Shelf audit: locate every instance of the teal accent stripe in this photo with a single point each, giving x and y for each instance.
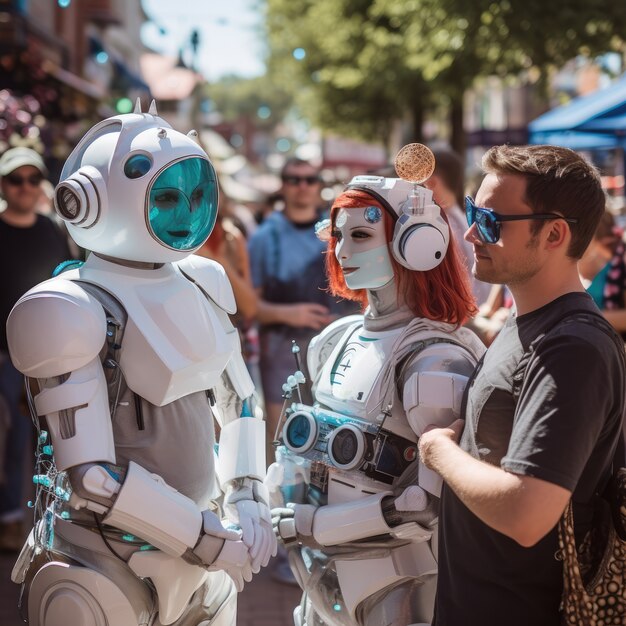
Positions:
(368, 338)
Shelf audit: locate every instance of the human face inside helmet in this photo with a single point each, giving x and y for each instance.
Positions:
(362, 249)
(182, 204)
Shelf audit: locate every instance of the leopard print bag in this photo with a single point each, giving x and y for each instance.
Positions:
(594, 576)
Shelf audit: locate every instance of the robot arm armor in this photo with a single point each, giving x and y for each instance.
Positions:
(434, 383)
(211, 278)
(55, 328)
(149, 508)
(143, 504)
(76, 408)
(350, 521)
(433, 386)
(242, 450)
(235, 387)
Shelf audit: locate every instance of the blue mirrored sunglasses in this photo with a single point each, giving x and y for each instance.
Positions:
(488, 221)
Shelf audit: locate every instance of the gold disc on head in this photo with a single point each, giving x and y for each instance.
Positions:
(415, 163)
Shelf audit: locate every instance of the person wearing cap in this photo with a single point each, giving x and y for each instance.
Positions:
(31, 246)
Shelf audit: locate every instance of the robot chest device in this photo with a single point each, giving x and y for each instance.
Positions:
(335, 442)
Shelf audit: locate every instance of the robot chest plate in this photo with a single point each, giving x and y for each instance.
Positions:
(175, 342)
(350, 379)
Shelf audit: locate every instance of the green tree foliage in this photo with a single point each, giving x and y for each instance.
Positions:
(371, 62)
(257, 98)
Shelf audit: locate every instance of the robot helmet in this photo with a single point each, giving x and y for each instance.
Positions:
(421, 235)
(135, 189)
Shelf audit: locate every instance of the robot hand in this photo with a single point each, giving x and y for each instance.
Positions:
(246, 504)
(223, 549)
(293, 521)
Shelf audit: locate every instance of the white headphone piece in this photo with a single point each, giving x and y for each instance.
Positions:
(79, 199)
(421, 235)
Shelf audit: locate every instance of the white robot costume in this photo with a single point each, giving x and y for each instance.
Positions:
(359, 514)
(128, 359)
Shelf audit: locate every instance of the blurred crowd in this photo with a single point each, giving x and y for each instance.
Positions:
(276, 266)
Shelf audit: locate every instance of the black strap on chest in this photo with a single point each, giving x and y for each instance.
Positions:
(117, 318)
(578, 315)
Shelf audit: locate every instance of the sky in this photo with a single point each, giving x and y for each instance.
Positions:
(229, 43)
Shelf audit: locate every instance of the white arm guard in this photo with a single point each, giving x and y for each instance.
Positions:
(433, 398)
(78, 416)
(432, 395)
(149, 508)
(350, 521)
(242, 450)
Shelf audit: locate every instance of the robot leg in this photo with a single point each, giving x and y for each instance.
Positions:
(62, 594)
(213, 604)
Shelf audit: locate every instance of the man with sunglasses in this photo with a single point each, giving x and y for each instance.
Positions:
(543, 413)
(31, 246)
(287, 265)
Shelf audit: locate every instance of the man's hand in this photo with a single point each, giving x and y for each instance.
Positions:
(433, 439)
(222, 549)
(247, 506)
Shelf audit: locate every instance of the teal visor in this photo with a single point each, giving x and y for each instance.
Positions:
(183, 204)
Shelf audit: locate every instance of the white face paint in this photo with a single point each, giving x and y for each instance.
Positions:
(362, 249)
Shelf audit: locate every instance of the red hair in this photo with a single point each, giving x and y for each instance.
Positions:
(442, 294)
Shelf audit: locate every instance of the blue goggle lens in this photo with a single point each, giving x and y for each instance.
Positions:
(485, 221)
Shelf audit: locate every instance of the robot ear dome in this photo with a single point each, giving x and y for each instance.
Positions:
(421, 247)
(78, 199)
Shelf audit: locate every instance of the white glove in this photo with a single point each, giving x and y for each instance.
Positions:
(222, 549)
(413, 498)
(293, 521)
(245, 505)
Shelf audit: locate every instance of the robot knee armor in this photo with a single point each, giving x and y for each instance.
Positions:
(62, 594)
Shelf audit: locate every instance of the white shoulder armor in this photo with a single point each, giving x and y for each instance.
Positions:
(322, 345)
(211, 278)
(433, 389)
(55, 328)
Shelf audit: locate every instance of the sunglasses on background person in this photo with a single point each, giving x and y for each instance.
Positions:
(296, 180)
(34, 180)
(488, 221)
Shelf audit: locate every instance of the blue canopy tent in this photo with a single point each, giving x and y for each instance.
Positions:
(597, 120)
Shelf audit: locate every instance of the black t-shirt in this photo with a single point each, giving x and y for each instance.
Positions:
(28, 256)
(563, 429)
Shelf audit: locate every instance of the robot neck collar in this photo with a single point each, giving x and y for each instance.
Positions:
(386, 309)
(140, 265)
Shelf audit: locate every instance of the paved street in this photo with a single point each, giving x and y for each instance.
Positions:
(262, 603)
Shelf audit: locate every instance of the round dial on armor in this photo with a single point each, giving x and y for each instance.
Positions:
(346, 447)
(300, 432)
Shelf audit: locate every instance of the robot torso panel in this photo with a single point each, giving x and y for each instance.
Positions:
(358, 443)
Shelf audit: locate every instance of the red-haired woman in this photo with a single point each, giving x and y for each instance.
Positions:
(362, 510)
